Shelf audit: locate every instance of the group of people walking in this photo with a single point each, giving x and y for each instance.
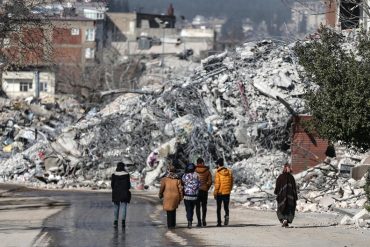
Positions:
(193, 187)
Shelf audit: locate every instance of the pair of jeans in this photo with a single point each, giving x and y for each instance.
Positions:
(189, 206)
(225, 199)
(117, 206)
(201, 202)
(171, 218)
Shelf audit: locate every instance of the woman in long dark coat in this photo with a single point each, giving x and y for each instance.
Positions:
(121, 195)
(286, 196)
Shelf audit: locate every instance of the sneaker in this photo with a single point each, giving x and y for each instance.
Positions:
(115, 223)
(204, 223)
(226, 220)
(199, 224)
(218, 224)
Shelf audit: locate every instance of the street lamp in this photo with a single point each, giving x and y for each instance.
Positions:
(163, 25)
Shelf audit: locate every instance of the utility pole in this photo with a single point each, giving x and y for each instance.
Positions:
(162, 24)
(37, 84)
(163, 36)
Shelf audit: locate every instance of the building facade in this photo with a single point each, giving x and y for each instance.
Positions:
(28, 83)
(136, 34)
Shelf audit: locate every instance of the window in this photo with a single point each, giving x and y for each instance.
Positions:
(43, 87)
(75, 31)
(349, 14)
(23, 86)
(90, 15)
(89, 53)
(30, 85)
(90, 34)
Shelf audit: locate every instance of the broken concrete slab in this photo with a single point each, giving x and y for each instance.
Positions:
(363, 214)
(66, 143)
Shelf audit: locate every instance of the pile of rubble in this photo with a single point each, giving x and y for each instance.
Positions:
(237, 105)
(24, 122)
(25, 126)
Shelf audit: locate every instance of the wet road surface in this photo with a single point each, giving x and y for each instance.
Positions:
(88, 221)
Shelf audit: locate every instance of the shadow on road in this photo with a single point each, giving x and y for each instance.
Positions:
(315, 226)
(229, 226)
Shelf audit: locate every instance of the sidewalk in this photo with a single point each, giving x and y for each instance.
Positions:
(21, 218)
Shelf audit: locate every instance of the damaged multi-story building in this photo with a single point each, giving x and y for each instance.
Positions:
(348, 14)
(152, 34)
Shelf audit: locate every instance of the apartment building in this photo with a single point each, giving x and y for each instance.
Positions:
(62, 47)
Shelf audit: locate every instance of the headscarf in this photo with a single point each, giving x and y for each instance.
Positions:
(171, 172)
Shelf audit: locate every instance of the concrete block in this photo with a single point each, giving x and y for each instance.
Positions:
(363, 214)
(326, 201)
(346, 220)
(359, 171)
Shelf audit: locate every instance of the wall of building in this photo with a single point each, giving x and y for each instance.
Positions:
(331, 13)
(70, 41)
(63, 40)
(11, 83)
(308, 150)
(124, 26)
(121, 27)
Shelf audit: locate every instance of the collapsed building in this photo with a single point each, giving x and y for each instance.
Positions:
(236, 105)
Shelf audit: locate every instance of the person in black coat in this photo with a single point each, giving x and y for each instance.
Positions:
(286, 196)
(121, 195)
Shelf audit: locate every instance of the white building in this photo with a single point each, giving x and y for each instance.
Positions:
(23, 83)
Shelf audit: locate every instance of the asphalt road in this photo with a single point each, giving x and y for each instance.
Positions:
(88, 221)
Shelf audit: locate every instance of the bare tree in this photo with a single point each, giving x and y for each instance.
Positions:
(112, 72)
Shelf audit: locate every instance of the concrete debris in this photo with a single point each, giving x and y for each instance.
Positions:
(236, 105)
(346, 220)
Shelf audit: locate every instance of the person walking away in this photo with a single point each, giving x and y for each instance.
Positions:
(152, 160)
(286, 196)
(223, 186)
(205, 178)
(121, 195)
(171, 193)
(191, 184)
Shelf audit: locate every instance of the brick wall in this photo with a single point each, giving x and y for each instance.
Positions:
(26, 47)
(308, 150)
(67, 55)
(64, 36)
(331, 13)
